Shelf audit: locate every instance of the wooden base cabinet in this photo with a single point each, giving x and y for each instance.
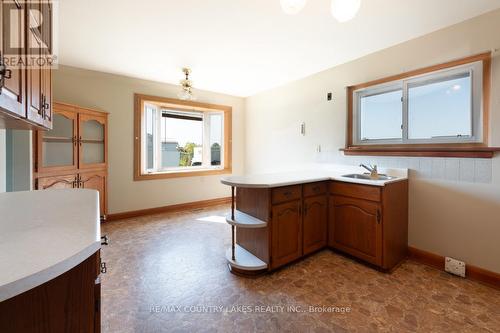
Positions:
(286, 233)
(367, 222)
(70, 302)
(315, 223)
(89, 180)
(370, 222)
(355, 228)
(74, 153)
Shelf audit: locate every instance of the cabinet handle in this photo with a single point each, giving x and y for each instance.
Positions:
(104, 269)
(5, 73)
(75, 140)
(80, 140)
(45, 106)
(305, 209)
(105, 240)
(378, 216)
(287, 193)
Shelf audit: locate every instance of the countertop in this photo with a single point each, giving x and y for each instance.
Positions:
(317, 174)
(44, 234)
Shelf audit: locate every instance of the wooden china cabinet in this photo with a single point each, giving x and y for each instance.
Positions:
(74, 153)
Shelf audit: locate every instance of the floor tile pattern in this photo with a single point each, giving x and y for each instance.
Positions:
(167, 273)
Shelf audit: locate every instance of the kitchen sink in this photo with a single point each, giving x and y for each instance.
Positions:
(367, 176)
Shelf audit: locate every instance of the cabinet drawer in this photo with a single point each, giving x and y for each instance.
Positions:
(359, 191)
(287, 193)
(314, 189)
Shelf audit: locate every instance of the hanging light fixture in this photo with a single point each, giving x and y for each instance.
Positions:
(292, 7)
(345, 10)
(187, 87)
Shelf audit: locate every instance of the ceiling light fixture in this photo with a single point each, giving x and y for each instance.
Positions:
(187, 87)
(345, 10)
(292, 7)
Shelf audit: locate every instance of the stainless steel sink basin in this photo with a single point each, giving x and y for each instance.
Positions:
(367, 176)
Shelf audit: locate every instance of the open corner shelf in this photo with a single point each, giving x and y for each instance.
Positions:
(243, 220)
(244, 260)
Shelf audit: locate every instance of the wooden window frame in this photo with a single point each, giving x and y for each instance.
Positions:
(179, 105)
(473, 150)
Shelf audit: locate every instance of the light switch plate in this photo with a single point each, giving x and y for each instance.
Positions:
(454, 266)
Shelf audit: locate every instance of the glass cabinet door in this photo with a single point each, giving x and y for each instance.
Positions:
(58, 146)
(92, 141)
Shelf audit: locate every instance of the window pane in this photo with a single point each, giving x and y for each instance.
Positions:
(381, 116)
(215, 139)
(440, 108)
(181, 139)
(150, 133)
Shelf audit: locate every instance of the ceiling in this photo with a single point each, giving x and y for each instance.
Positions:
(239, 47)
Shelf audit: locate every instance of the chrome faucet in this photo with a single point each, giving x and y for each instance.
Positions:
(372, 169)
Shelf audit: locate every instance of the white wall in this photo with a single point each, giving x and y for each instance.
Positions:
(19, 160)
(454, 203)
(3, 158)
(115, 94)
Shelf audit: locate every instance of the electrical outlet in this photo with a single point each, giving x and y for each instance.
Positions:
(454, 266)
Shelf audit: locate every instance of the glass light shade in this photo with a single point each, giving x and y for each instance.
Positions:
(292, 7)
(345, 10)
(186, 95)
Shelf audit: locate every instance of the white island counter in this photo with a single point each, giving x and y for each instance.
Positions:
(43, 234)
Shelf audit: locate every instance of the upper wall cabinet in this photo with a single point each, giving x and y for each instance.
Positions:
(25, 64)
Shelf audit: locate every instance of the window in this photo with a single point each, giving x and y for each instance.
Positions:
(438, 111)
(177, 138)
(442, 106)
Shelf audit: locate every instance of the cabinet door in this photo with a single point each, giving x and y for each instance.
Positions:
(315, 223)
(286, 233)
(46, 70)
(356, 228)
(96, 181)
(39, 87)
(12, 50)
(92, 141)
(57, 149)
(59, 182)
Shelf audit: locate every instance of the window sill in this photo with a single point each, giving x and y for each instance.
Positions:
(180, 174)
(458, 152)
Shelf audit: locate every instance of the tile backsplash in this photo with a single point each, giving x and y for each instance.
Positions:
(450, 169)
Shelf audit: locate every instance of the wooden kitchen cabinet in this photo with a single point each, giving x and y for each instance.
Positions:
(89, 180)
(74, 153)
(356, 228)
(92, 140)
(57, 182)
(96, 181)
(365, 221)
(286, 233)
(315, 223)
(370, 222)
(70, 302)
(25, 92)
(13, 93)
